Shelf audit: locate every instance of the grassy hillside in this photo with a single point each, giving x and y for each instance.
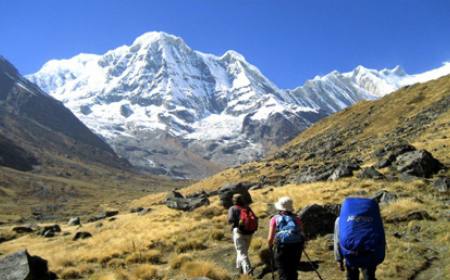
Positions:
(170, 244)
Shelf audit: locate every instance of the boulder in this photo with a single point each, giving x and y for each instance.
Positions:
(385, 162)
(22, 229)
(319, 220)
(415, 215)
(137, 209)
(384, 197)
(111, 213)
(394, 149)
(390, 152)
(22, 266)
(144, 211)
(418, 163)
(75, 221)
(341, 172)
(226, 193)
(314, 174)
(103, 215)
(442, 184)
(176, 200)
(371, 173)
(49, 231)
(82, 235)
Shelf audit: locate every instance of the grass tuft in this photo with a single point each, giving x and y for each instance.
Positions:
(205, 269)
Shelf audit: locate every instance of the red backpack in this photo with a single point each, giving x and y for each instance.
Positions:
(248, 222)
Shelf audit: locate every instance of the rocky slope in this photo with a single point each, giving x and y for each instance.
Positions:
(177, 111)
(49, 160)
(412, 191)
(30, 118)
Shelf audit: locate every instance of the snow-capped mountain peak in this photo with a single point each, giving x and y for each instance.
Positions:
(172, 109)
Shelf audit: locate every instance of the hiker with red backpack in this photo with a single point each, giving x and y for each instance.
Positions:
(244, 223)
(286, 235)
(359, 238)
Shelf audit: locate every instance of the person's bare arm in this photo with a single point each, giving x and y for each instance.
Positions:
(271, 235)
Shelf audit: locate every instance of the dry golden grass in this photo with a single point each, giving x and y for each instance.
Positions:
(176, 261)
(70, 273)
(115, 248)
(145, 272)
(205, 269)
(131, 246)
(151, 256)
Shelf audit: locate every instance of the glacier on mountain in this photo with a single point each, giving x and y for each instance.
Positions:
(184, 113)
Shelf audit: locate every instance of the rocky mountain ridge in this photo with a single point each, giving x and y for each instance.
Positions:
(184, 113)
(50, 161)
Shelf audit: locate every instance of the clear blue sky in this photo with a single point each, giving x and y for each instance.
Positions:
(289, 41)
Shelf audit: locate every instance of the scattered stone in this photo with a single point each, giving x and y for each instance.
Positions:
(48, 234)
(22, 266)
(384, 197)
(136, 210)
(144, 211)
(49, 231)
(226, 193)
(314, 174)
(103, 215)
(416, 229)
(406, 177)
(112, 219)
(371, 173)
(319, 219)
(98, 225)
(75, 221)
(22, 229)
(416, 215)
(394, 149)
(389, 153)
(341, 172)
(176, 200)
(82, 235)
(417, 163)
(442, 184)
(111, 213)
(398, 235)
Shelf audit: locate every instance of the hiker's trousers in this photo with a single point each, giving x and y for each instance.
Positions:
(367, 272)
(287, 259)
(242, 243)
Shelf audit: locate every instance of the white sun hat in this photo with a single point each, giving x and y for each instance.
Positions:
(284, 204)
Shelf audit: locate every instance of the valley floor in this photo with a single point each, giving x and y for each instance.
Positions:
(170, 244)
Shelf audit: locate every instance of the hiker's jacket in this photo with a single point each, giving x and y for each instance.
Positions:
(234, 214)
(337, 251)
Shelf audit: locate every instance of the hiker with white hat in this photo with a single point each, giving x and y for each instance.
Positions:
(286, 235)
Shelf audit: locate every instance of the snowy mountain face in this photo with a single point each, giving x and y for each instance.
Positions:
(177, 111)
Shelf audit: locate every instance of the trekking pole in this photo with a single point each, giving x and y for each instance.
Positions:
(312, 265)
(272, 263)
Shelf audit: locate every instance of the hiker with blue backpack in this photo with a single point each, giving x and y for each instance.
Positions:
(359, 238)
(286, 239)
(243, 223)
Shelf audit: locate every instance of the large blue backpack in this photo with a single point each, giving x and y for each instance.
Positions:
(361, 234)
(288, 231)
